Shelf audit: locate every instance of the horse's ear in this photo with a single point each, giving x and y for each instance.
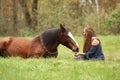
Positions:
(62, 28)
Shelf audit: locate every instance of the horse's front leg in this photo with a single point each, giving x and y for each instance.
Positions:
(55, 54)
(34, 55)
(51, 54)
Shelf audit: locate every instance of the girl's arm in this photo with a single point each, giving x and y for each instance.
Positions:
(93, 48)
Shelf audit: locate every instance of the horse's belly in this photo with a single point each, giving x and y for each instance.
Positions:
(18, 48)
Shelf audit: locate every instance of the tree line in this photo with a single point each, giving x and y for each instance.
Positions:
(19, 17)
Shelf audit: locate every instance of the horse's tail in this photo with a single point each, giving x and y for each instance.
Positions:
(4, 43)
(2, 53)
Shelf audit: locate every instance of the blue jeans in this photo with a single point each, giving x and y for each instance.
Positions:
(79, 58)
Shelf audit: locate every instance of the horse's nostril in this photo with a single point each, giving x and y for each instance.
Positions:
(76, 50)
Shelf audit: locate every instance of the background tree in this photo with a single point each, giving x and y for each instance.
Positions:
(14, 14)
(0, 7)
(30, 17)
(34, 13)
(26, 12)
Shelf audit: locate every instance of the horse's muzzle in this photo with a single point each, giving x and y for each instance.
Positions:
(76, 50)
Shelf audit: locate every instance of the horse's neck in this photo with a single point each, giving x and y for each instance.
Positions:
(52, 47)
(50, 37)
(48, 46)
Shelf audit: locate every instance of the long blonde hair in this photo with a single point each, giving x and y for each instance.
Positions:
(89, 33)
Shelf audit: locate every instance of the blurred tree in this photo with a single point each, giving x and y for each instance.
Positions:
(55, 2)
(26, 13)
(113, 21)
(34, 14)
(90, 3)
(31, 18)
(0, 7)
(108, 5)
(14, 15)
(6, 10)
(51, 13)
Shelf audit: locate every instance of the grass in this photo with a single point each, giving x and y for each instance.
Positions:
(64, 67)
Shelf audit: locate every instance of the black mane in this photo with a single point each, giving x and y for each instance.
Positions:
(50, 36)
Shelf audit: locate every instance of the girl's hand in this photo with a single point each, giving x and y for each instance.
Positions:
(82, 54)
(76, 54)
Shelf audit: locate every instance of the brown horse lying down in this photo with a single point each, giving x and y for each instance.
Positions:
(41, 46)
(22, 47)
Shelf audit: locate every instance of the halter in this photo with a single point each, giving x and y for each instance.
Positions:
(47, 51)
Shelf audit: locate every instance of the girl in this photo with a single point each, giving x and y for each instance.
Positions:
(92, 46)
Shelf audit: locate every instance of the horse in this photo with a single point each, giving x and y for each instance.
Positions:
(44, 45)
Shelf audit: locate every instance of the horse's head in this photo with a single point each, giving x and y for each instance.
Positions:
(66, 38)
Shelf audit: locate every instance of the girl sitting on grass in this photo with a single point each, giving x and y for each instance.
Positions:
(92, 49)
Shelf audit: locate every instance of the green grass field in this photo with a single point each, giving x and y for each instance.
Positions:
(64, 67)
